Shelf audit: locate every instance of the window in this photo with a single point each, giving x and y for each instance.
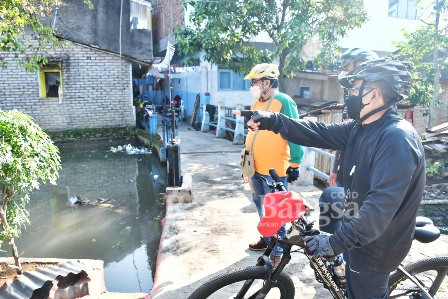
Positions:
(230, 80)
(403, 9)
(50, 81)
(224, 79)
(304, 92)
(140, 14)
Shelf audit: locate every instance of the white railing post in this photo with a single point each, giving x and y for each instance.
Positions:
(220, 132)
(238, 137)
(307, 177)
(205, 127)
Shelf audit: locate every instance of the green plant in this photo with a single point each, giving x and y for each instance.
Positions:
(93, 133)
(28, 157)
(18, 16)
(225, 31)
(432, 169)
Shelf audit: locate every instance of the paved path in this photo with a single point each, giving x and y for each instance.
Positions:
(210, 236)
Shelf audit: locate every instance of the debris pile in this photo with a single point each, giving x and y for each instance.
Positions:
(77, 200)
(130, 150)
(436, 140)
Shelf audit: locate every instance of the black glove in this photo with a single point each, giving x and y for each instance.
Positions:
(263, 117)
(293, 174)
(319, 245)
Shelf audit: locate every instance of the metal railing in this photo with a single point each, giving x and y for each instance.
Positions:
(316, 171)
(238, 128)
(226, 122)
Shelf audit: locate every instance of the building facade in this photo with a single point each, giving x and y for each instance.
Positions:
(87, 83)
(118, 26)
(85, 88)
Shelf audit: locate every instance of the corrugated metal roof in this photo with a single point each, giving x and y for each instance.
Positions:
(65, 280)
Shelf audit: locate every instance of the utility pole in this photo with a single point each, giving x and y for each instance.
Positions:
(53, 26)
(435, 96)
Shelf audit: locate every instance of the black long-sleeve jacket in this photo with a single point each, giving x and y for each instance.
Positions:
(384, 178)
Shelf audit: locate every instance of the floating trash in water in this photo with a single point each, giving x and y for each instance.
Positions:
(73, 200)
(76, 200)
(130, 150)
(156, 176)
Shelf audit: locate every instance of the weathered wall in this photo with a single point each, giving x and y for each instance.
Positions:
(100, 26)
(167, 15)
(441, 112)
(97, 91)
(322, 87)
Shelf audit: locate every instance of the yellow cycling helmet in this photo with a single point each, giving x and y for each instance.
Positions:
(263, 70)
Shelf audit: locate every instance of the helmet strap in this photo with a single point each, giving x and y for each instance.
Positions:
(386, 106)
(264, 92)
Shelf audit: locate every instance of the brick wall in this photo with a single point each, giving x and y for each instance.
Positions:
(167, 15)
(420, 117)
(97, 91)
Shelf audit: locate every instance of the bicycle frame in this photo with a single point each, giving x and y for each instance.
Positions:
(417, 283)
(302, 229)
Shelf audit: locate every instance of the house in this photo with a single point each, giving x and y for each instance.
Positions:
(87, 83)
(309, 88)
(386, 20)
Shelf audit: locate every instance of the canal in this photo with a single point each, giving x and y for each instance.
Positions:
(124, 232)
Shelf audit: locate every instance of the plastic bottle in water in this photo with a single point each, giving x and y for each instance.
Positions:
(339, 270)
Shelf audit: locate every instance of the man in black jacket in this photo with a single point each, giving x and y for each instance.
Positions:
(331, 201)
(384, 174)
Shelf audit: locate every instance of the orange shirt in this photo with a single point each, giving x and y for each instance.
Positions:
(270, 149)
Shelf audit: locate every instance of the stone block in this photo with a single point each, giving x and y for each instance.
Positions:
(182, 194)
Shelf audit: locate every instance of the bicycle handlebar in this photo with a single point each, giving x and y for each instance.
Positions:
(276, 180)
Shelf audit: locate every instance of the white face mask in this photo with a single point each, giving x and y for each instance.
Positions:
(255, 92)
(342, 74)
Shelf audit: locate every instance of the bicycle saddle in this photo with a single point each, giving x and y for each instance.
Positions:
(425, 231)
(280, 208)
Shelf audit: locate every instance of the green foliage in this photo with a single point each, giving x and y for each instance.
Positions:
(225, 29)
(432, 169)
(191, 61)
(418, 49)
(93, 134)
(18, 17)
(27, 158)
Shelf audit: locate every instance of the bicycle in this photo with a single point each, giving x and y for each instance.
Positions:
(421, 279)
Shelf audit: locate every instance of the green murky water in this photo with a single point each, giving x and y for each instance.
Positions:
(125, 236)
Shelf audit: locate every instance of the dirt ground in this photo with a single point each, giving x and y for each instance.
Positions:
(436, 192)
(210, 236)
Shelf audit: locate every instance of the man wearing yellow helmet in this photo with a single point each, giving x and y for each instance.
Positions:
(271, 150)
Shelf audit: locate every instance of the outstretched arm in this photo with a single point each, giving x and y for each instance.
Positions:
(303, 132)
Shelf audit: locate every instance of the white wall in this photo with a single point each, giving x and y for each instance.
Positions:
(207, 82)
(380, 30)
(230, 97)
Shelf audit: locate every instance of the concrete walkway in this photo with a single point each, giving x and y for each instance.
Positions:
(210, 236)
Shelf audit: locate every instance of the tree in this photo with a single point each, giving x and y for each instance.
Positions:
(426, 49)
(225, 29)
(20, 16)
(27, 158)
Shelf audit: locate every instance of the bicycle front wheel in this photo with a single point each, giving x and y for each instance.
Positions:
(431, 274)
(228, 285)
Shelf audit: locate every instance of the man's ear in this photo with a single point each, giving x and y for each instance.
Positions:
(372, 96)
(267, 84)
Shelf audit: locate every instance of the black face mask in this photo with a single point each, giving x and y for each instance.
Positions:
(354, 104)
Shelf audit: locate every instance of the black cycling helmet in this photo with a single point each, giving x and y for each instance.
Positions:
(394, 72)
(355, 54)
